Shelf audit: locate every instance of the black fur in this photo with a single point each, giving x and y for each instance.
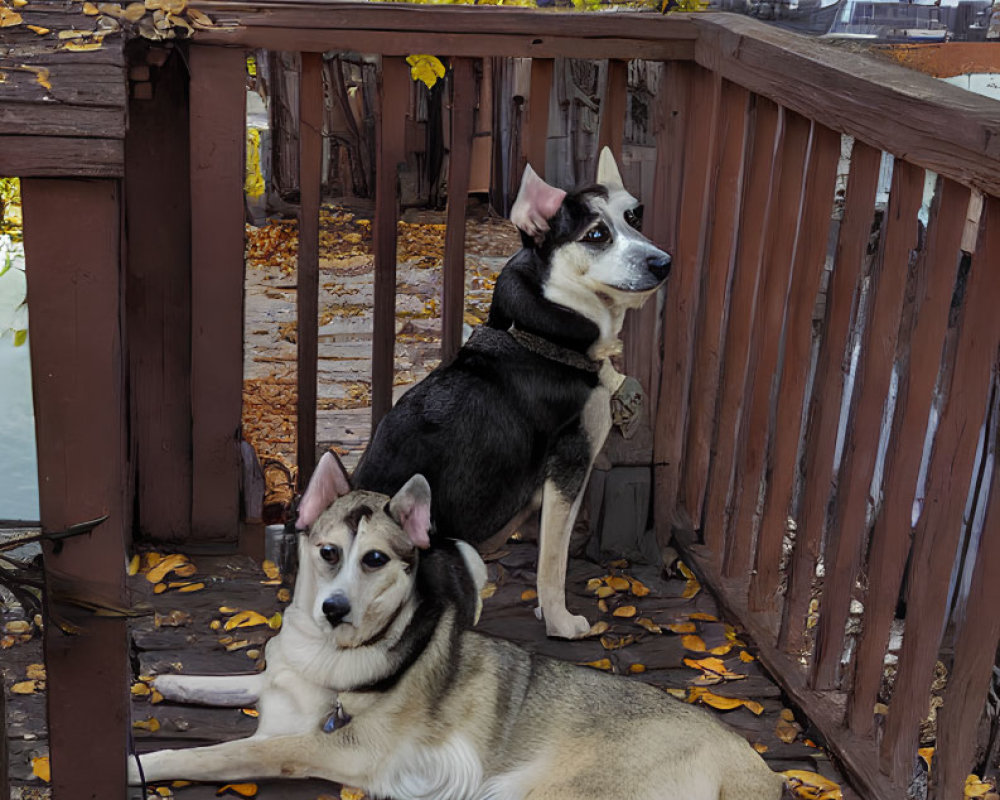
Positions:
(487, 429)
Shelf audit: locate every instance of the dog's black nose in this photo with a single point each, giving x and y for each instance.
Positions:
(335, 608)
(659, 266)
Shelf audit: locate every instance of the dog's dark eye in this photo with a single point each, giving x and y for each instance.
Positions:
(599, 234)
(374, 559)
(634, 217)
(330, 553)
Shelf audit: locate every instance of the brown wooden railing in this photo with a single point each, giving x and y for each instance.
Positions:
(744, 368)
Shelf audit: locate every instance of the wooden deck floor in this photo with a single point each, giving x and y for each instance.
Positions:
(180, 637)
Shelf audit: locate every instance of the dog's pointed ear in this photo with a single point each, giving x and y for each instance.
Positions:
(411, 508)
(536, 204)
(607, 170)
(327, 483)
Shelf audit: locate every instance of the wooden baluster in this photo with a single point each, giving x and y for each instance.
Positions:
(612, 130)
(310, 169)
(390, 129)
(536, 139)
(459, 166)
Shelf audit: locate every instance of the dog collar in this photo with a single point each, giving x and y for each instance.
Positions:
(338, 719)
(552, 351)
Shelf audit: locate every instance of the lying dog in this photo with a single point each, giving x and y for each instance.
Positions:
(517, 418)
(375, 681)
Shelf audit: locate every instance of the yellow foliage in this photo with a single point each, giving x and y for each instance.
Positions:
(40, 768)
(426, 68)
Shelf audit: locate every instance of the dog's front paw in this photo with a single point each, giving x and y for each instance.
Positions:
(567, 626)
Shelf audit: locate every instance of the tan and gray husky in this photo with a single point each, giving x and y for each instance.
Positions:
(376, 681)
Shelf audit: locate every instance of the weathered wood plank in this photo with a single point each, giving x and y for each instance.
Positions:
(847, 532)
(810, 257)
(158, 304)
(726, 193)
(218, 122)
(472, 45)
(52, 156)
(935, 125)
(73, 84)
(536, 138)
(765, 340)
(612, 131)
(824, 406)
(307, 294)
(941, 522)
(762, 175)
(59, 120)
(73, 242)
(393, 91)
(890, 538)
(680, 312)
(976, 641)
(459, 168)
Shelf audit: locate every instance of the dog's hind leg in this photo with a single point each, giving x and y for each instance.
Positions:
(211, 690)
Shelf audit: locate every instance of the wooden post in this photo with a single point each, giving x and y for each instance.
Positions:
(307, 338)
(72, 238)
(537, 137)
(218, 129)
(158, 303)
(459, 166)
(612, 131)
(393, 92)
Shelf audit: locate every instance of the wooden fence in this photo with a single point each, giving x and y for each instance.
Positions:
(147, 288)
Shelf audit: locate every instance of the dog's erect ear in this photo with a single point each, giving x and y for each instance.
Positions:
(607, 170)
(411, 508)
(327, 483)
(536, 204)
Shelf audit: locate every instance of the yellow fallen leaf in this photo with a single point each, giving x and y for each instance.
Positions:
(35, 672)
(250, 712)
(140, 689)
(701, 615)
(488, 590)
(927, 754)
(8, 18)
(682, 627)
(649, 625)
(133, 564)
(529, 594)
(618, 583)
(692, 642)
(760, 747)
(90, 9)
(192, 587)
(350, 793)
(20, 3)
(754, 706)
(237, 645)
(160, 588)
(680, 694)
(152, 724)
(594, 584)
(602, 605)
(804, 783)
(604, 591)
(155, 697)
(284, 595)
(253, 655)
(166, 565)
(721, 650)
(134, 12)
(601, 663)
(621, 563)
(598, 628)
(245, 619)
(699, 694)
(180, 784)
(241, 789)
(745, 657)
(635, 669)
(638, 588)
(227, 610)
(613, 642)
(17, 626)
(24, 687)
(685, 570)
(787, 730)
(215, 624)
(40, 768)
(274, 621)
(271, 570)
(41, 32)
(787, 714)
(714, 666)
(426, 68)
(974, 787)
(164, 791)
(185, 570)
(691, 588)
(625, 611)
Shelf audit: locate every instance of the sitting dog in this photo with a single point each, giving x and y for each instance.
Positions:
(375, 681)
(517, 418)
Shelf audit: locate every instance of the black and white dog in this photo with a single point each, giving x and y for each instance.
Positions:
(517, 418)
